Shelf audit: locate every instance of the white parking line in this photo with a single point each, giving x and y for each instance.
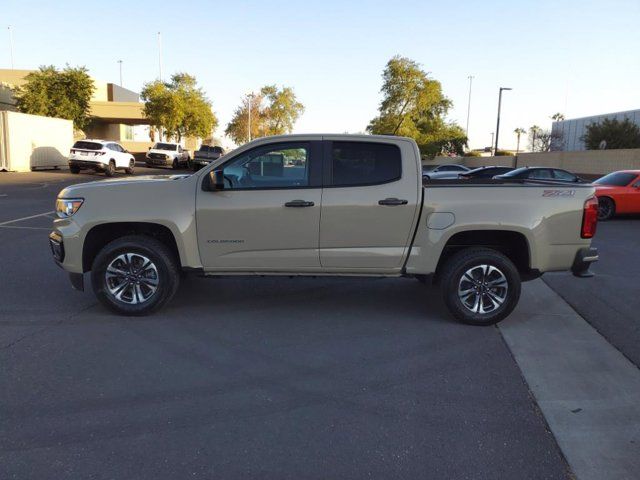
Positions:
(26, 218)
(24, 228)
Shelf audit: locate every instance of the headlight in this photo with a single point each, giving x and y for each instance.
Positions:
(65, 207)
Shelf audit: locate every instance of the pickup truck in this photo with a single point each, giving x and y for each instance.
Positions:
(164, 154)
(205, 155)
(347, 205)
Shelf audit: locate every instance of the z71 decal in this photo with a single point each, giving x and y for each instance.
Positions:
(558, 193)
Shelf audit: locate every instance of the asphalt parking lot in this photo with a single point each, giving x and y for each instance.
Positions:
(267, 378)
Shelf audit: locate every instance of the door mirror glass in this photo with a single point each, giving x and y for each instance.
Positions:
(216, 180)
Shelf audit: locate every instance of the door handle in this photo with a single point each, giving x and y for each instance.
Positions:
(392, 202)
(299, 203)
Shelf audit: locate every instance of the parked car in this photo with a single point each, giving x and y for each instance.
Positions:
(541, 173)
(618, 192)
(100, 156)
(442, 172)
(355, 206)
(484, 172)
(164, 154)
(205, 155)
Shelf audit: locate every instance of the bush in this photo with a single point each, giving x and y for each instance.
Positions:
(612, 134)
(504, 153)
(472, 153)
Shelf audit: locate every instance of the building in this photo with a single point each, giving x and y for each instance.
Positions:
(567, 134)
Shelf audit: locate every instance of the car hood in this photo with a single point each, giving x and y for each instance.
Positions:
(79, 189)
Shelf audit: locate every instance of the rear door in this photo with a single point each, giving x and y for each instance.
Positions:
(370, 198)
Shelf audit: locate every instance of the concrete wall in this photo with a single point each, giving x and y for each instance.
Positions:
(30, 141)
(587, 162)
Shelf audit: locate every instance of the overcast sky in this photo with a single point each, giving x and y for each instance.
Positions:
(575, 57)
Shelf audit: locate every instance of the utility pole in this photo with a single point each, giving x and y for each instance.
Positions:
(470, 77)
(120, 62)
(498, 123)
(11, 45)
(160, 55)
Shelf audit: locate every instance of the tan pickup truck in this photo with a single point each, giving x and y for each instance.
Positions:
(323, 205)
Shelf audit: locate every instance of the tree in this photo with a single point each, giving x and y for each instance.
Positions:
(54, 93)
(534, 131)
(273, 112)
(557, 117)
(615, 133)
(519, 131)
(541, 140)
(179, 107)
(413, 105)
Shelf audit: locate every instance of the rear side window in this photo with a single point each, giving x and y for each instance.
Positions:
(84, 145)
(566, 176)
(364, 163)
(540, 174)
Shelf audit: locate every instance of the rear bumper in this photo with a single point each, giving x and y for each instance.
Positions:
(87, 164)
(584, 258)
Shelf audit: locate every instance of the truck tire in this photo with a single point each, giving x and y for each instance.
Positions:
(480, 286)
(175, 164)
(111, 169)
(135, 275)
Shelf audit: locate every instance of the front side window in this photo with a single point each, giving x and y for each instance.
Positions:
(565, 176)
(286, 166)
(540, 174)
(364, 163)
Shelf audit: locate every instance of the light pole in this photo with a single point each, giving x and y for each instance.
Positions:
(11, 45)
(120, 62)
(491, 147)
(249, 98)
(470, 77)
(498, 124)
(160, 54)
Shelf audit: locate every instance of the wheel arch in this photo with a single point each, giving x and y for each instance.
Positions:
(100, 235)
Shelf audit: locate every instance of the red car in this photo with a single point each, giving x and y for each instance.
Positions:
(618, 192)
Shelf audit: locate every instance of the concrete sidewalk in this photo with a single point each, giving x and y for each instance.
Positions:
(587, 390)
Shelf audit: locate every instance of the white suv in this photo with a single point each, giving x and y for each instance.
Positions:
(101, 156)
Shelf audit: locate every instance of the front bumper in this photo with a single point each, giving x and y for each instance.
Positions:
(159, 161)
(56, 243)
(584, 258)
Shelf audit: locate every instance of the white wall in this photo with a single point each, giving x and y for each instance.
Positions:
(31, 141)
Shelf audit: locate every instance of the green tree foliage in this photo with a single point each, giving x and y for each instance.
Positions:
(413, 105)
(557, 117)
(616, 134)
(57, 93)
(179, 107)
(274, 111)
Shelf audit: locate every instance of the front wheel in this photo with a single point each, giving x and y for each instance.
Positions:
(74, 169)
(135, 275)
(480, 286)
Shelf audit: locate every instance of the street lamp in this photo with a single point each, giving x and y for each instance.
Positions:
(11, 44)
(492, 137)
(250, 99)
(498, 124)
(470, 77)
(120, 62)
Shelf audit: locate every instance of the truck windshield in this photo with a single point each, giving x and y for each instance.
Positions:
(616, 179)
(165, 146)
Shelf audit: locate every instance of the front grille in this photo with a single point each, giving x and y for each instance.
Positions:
(157, 156)
(57, 248)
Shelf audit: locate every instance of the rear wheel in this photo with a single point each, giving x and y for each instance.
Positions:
(480, 286)
(135, 275)
(111, 169)
(606, 208)
(131, 167)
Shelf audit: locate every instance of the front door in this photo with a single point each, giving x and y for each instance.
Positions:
(369, 205)
(267, 217)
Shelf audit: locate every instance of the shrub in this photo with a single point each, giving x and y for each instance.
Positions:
(472, 153)
(504, 153)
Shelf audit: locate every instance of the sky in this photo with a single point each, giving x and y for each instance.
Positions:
(575, 57)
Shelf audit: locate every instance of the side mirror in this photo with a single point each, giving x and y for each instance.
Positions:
(216, 180)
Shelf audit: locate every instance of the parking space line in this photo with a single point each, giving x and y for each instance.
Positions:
(25, 228)
(26, 218)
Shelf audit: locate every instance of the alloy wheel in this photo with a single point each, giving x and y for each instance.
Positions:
(483, 289)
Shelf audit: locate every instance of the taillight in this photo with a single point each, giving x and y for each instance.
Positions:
(589, 218)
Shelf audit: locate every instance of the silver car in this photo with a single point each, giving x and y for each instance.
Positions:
(442, 172)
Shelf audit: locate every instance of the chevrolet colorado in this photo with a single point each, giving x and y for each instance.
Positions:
(323, 205)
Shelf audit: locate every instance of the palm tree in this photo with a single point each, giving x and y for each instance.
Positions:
(557, 117)
(519, 131)
(533, 131)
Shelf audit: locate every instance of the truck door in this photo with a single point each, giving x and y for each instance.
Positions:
(370, 201)
(267, 217)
